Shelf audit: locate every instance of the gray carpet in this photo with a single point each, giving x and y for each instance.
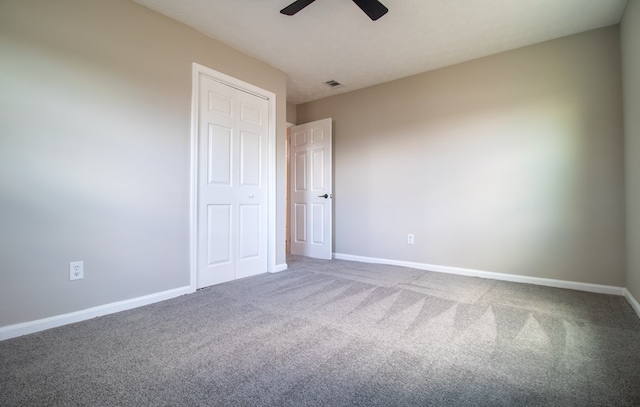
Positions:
(337, 333)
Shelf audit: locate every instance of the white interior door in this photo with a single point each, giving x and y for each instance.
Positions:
(232, 183)
(311, 190)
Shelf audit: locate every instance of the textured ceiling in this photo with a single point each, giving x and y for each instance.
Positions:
(335, 40)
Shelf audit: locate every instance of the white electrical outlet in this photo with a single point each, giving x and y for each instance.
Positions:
(76, 270)
(410, 239)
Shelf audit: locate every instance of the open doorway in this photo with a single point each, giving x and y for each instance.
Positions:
(287, 152)
(309, 190)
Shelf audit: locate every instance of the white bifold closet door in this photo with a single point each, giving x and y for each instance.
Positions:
(232, 183)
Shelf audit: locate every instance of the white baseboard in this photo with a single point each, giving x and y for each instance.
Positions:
(280, 267)
(572, 285)
(13, 331)
(634, 303)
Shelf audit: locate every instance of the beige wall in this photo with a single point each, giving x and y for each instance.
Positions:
(630, 33)
(94, 151)
(511, 163)
(291, 113)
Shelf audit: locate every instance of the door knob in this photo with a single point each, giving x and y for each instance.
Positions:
(325, 196)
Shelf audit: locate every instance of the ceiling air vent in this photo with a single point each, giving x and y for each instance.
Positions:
(333, 84)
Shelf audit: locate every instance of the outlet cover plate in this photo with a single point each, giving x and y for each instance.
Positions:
(76, 270)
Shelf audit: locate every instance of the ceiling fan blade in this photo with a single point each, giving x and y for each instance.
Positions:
(373, 8)
(296, 6)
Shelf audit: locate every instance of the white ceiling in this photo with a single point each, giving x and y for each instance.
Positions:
(335, 40)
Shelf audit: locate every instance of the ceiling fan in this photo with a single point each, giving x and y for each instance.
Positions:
(373, 8)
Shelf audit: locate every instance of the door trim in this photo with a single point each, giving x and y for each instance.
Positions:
(197, 71)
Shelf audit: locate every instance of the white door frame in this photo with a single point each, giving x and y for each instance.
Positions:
(197, 71)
